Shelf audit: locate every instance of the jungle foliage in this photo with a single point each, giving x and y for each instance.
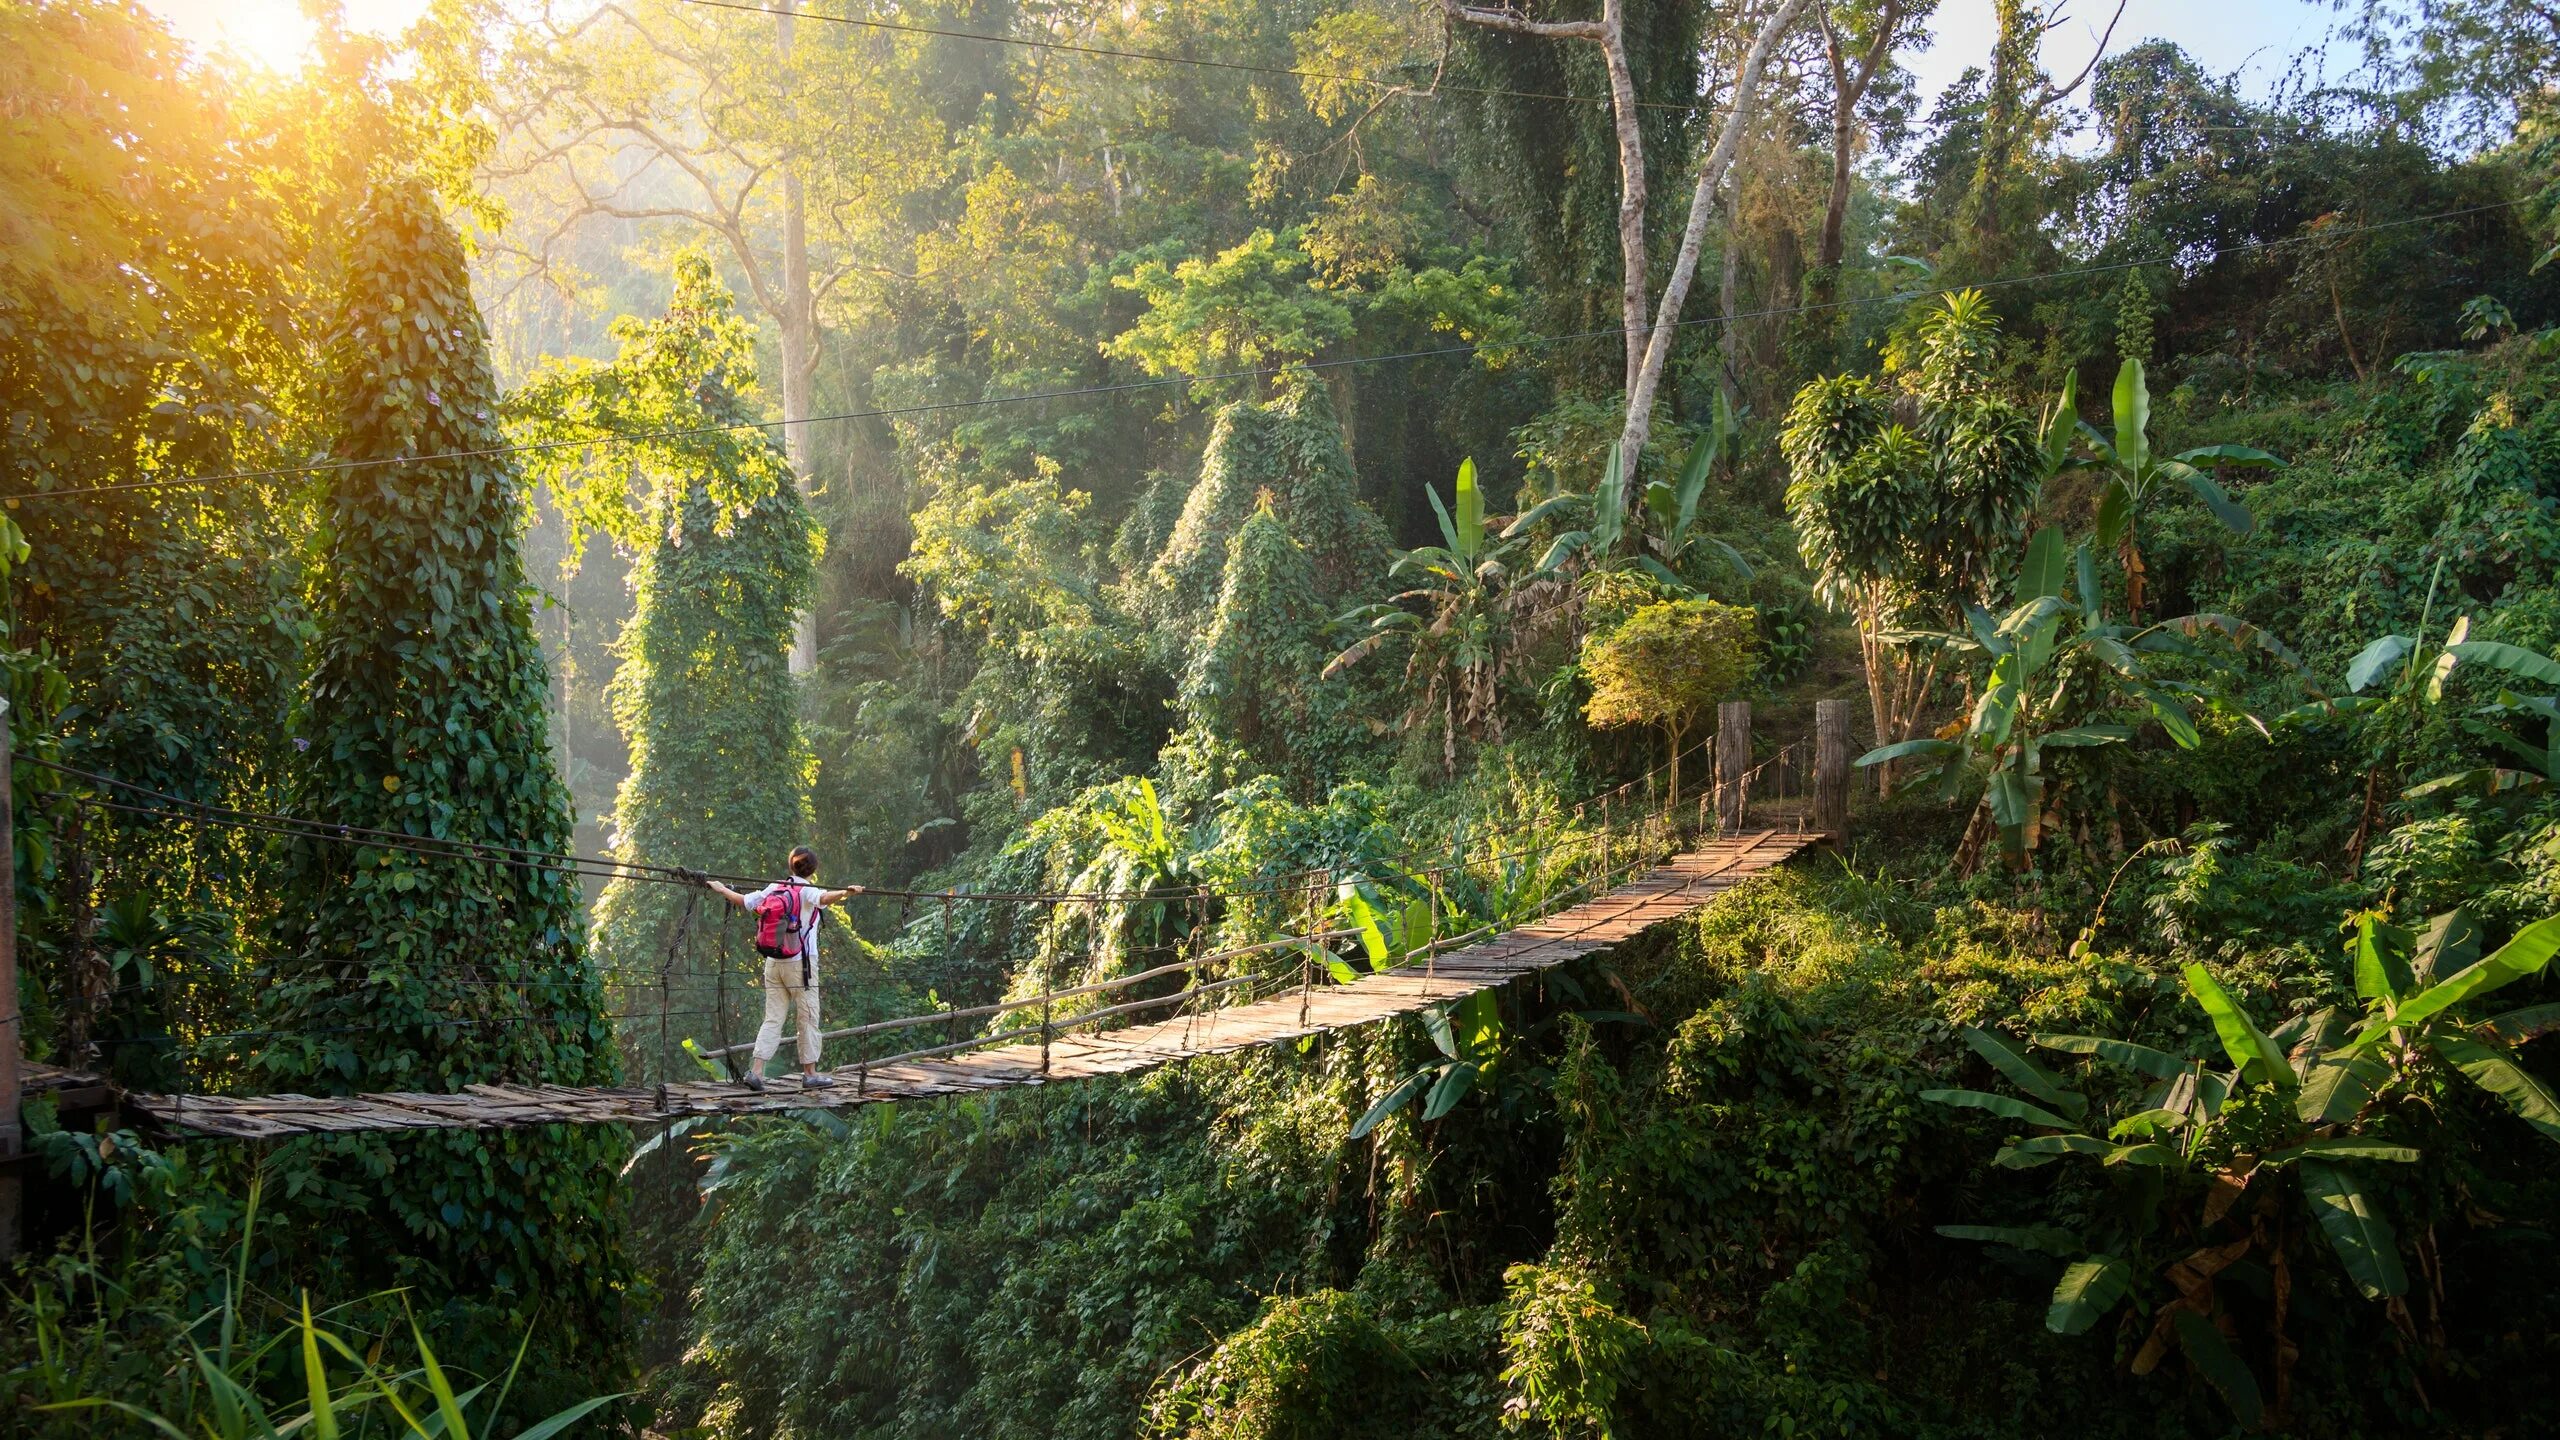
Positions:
(1194, 475)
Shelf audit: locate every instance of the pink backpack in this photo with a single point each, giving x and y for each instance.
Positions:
(778, 924)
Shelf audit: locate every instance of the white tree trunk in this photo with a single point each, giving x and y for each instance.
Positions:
(799, 324)
(1675, 291)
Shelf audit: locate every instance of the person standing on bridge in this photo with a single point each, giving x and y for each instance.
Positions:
(786, 916)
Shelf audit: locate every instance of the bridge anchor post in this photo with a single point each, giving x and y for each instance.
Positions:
(1733, 765)
(1831, 766)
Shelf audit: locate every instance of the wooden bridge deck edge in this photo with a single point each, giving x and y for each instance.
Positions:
(1687, 882)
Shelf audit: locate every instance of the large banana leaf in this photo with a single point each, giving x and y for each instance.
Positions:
(2086, 1292)
(2337, 1087)
(2245, 457)
(2133, 418)
(2382, 960)
(2156, 1063)
(1394, 1100)
(2222, 1368)
(2044, 1239)
(2045, 1149)
(2048, 559)
(2344, 1147)
(2514, 659)
(2523, 956)
(2248, 1046)
(1452, 1088)
(2374, 659)
(2502, 1075)
(2008, 1107)
(2234, 516)
(2025, 1073)
(2357, 1232)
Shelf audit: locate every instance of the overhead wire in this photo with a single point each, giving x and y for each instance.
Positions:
(1160, 57)
(2190, 258)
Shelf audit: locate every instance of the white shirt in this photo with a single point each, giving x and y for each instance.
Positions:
(812, 898)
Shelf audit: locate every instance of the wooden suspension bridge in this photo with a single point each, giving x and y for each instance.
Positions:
(1687, 882)
(1250, 1009)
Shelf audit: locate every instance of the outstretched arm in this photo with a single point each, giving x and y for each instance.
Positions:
(832, 896)
(725, 893)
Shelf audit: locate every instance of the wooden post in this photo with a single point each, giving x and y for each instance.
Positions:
(12, 1020)
(1733, 765)
(1831, 766)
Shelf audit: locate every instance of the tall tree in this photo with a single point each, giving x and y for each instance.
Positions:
(724, 547)
(1651, 327)
(790, 147)
(424, 716)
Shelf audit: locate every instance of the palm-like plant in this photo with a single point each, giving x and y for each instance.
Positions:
(2059, 668)
(2305, 1100)
(1461, 639)
(2135, 475)
(1604, 536)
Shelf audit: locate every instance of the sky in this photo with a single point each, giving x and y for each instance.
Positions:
(2257, 37)
(272, 32)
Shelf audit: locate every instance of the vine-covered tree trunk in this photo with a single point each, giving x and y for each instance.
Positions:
(719, 765)
(424, 715)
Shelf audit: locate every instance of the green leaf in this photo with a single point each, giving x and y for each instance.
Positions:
(2360, 1236)
(2086, 1292)
(2213, 1358)
(2115, 511)
(2235, 517)
(2244, 456)
(324, 1416)
(2242, 1040)
(2008, 1107)
(2382, 959)
(1470, 511)
(2448, 946)
(2083, 735)
(2155, 1063)
(2061, 422)
(1535, 514)
(2517, 1026)
(1454, 1080)
(2344, 1147)
(2045, 1149)
(1935, 749)
(2147, 1122)
(2047, 563)
(2499, 1073)
(2133, 417)
(1393, 1101)
(2159, 1157)
(447, 1408)
(2043, 1239)
(2514, 659)
(2524, 956)
(551, 1425)
(2024, 1072)
(2337, 1087)
(2374, 659)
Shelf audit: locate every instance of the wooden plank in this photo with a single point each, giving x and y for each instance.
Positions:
(1676, 888)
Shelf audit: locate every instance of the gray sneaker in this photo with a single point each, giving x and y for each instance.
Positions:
(753, 1081)
(819, 1081)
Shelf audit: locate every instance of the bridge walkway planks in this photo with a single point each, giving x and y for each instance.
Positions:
(1685, 883)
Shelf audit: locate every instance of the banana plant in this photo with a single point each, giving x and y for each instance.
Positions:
(1603, 534)
(2177, 1132)
(1468, 1036)
(1458, 642)
(2412, 984)
(2058, 668)
(2135, 475)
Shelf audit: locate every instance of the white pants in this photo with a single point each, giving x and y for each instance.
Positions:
(782, 987)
